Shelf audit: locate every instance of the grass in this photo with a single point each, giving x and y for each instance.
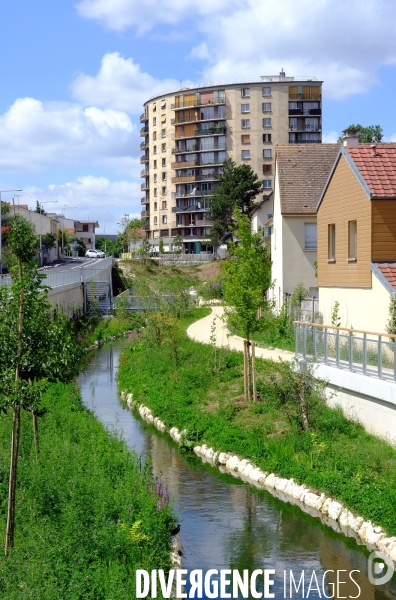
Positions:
(76, 506)
(203, 394)
(105, 328)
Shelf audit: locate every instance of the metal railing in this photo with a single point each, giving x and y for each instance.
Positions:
(363, 352)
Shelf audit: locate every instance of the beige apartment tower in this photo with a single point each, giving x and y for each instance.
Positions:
(189, 133)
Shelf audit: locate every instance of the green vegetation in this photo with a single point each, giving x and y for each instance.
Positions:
(106, 328)
(89, 513)
(106, 245)
(202, 393)
(367, 135)
(391, 324)
(142, 276)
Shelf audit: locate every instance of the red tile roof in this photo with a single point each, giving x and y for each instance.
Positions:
(388, 270)
(377, 166)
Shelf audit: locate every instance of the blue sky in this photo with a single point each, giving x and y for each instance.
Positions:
(74, 76)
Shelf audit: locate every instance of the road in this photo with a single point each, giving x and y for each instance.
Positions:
(70, 263)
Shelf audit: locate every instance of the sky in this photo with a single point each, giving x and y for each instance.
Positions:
(74, 76)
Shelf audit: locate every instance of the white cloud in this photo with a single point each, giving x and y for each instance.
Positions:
(343, 43)
(330, 137)
(35, 136)
(94, 198)
(120, 84)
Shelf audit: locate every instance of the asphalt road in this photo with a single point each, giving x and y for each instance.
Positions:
(70, 263)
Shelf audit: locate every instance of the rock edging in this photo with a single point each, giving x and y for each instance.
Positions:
(111, 338)
(328, 510)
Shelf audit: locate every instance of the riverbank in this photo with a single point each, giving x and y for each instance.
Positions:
(88, 512)
(202, 395)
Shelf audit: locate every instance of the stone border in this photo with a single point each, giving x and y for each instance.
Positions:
(331, 512)
(112, 338)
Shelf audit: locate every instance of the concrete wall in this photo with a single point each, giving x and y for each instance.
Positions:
(359, 308)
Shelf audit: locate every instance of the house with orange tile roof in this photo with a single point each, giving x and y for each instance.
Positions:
(357, 236)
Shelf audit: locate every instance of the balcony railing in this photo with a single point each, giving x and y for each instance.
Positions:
(143, 118)
(144, 187)
(196, 102)
(146, 227)
(144, 145)
(192, 178)
(313, 97)
(363, 352)
(144, 130)
(184, 165)
(192, 208)
(305, 141)
(145, 213)
(211, 131)
(144, 200)
(144, 173)
(300, 111)
(144, 159)
(203, 223)
(198, 194)
(197, 149)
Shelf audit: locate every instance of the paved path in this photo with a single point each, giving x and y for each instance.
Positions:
(200, 331)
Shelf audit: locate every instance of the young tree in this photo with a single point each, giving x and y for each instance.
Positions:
(39, 208)
(247, 277)
(367, 135)
(161, 246)
(178, 244)
(238, 186)
(37, 345)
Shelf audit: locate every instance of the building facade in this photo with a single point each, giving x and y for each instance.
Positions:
(188, 134)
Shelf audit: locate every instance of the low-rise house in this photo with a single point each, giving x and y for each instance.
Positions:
(43, 224)
(357, 237)
(261, 216)
(301, 171)
(85, 230)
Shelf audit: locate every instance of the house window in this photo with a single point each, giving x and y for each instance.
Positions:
(352, 238)
(267, 153)
(245, 92)
(155, 220)
(163, 176)
(155, 177)
(155, 194)
(154, 121)
(154, 164)
(331, 242)
(164, 162)
(163, 132)
(311, 238)
(245, 108)
(266, 106)
(154, 135)
(154, 149)
(245, 154)
(163, 105)
(245, 123)
(155, 203)
(154, 107)
(266, 122)
(266, 138)
(164, 219)
(266, 91)
(163, 147)
(267, 183)
(163, 204)
(85, 227)
(267, 168)
(163, 191)
(245, 139)
(163, 118)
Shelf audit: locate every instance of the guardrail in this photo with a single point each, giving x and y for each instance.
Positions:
(364, 352)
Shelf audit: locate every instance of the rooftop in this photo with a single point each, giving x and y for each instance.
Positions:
(376, 164)
(303, 170)
(388, 271)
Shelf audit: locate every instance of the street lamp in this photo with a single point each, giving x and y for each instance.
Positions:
(41, 215)
(63, 223)
(1, 240)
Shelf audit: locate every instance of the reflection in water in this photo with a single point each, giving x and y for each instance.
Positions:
(225, 523)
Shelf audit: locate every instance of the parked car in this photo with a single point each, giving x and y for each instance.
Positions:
(92, 254)
(101, 254)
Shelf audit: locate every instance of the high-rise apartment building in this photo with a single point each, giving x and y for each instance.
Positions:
(189, 133)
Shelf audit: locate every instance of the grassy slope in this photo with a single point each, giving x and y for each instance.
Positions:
(70, 505)
(338, 457)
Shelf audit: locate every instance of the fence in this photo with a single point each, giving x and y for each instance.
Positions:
(184, 260)
(363, 352)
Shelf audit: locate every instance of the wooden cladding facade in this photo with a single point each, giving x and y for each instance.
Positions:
(344, 200)
(384, 229)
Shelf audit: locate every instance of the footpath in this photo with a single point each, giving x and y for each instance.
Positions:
(201, 331)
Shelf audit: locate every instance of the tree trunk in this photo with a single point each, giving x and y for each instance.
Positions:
(16, 424)
(249, 370)
(245, 374)
(254, 371)
(304, 411)
(35, 433)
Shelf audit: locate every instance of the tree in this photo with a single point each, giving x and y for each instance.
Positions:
(37, 345)
(247, 277)
(106, 245)
(178, 244)
(49, 240)
(161, 246)
(391, 324)
(367, 135)
(131, 231)
(65, 238)
(39, 209)
(237, 188)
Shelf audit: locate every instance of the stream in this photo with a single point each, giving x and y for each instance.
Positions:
(227, 524)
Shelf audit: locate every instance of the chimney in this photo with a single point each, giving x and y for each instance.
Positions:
(373, 149)
(351, 137)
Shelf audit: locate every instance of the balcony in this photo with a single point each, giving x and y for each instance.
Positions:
(144, 173)
(184, 165)
(145, 213)
(196, 102)
(144, 118)
(192, 178)
(199, 194)
(188, 209)
(313, 97)
(203, 223)
(305, 128)
(300, 111)
(144, 200)
(144, 159)
(146, 227)
(211, 131)
(144, 145)
(145, 187)
(305, 141)
(144, 130)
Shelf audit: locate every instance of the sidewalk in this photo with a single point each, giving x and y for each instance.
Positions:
(200, 331)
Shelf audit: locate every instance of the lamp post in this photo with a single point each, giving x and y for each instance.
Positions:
(63, 228)
(1, 239)
(41, 215)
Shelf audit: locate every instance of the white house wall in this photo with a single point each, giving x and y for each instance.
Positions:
(276, 293)
(298, 263)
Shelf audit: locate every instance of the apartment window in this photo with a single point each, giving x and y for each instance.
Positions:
(245, 154)
(155, 177)
(267, 168)
(163, 176)
(163, 191)
(163, 132)
(245, 123)
(155, 220)
(245, 108)
(155, 203)
(154, 121)
(331, 242)
(164, 205)
(245, 92)
(266, 91)
(266, 106)
(163, 105)
(267, 183)
(163, 118)
(164, 219)
(164, 162)
(266, 138)
(311, 238)
(163, 147)
(154, 135)
(266, 122)
(154, 164)
(155, 194)
(221, 112)
(154, 149)
(245, 139)
(267, 153)
(352, 239)
(154, 107)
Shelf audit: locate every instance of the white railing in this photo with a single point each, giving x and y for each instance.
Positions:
(365, 352)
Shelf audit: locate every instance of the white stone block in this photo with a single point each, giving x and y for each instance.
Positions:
(280, 484)
(242, 464)
(223, 457)
(197, 449)
(270, 480)
(248, 469)
(335, 510)
(232, 463)
(311, 499)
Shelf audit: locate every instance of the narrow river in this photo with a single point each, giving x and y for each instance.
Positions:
(226, 524)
